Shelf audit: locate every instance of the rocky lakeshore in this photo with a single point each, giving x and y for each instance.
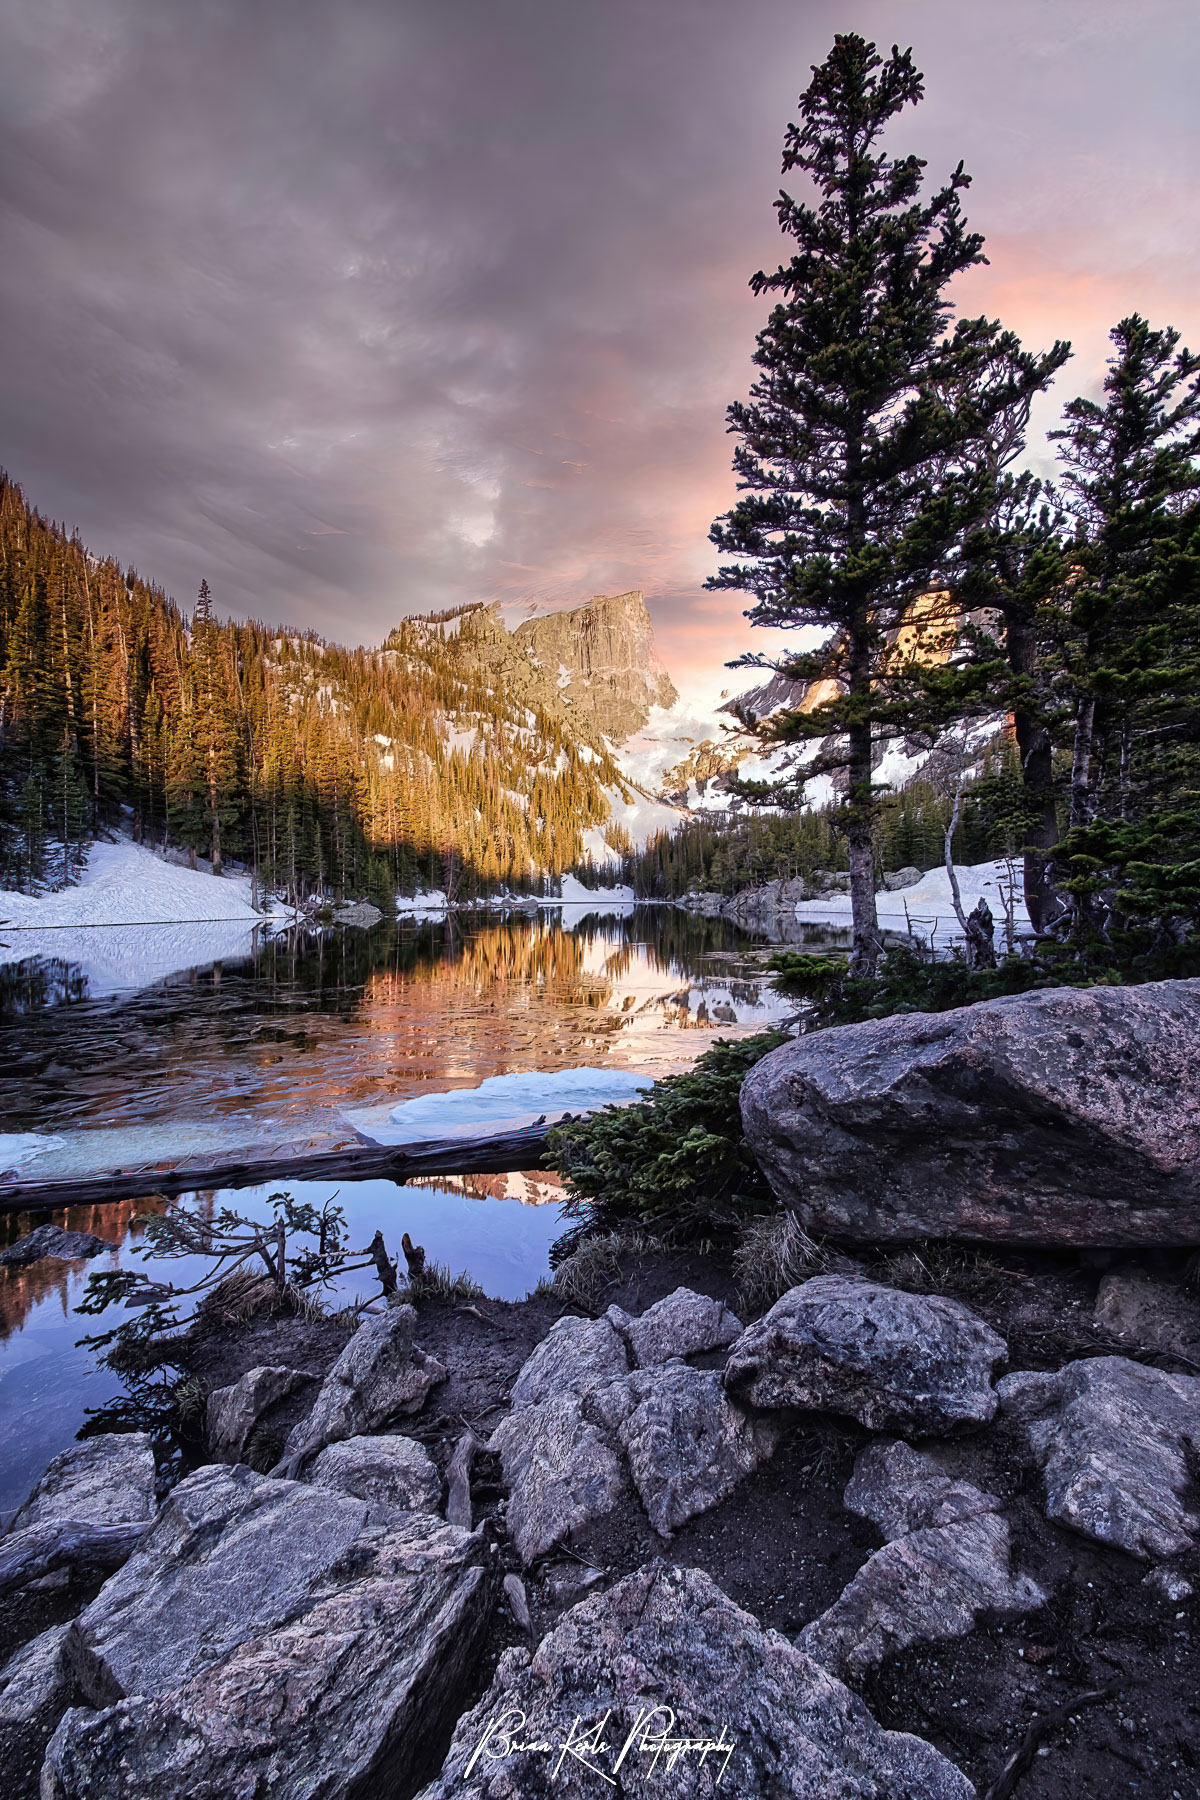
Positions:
(908, 1564)
(868, 1514)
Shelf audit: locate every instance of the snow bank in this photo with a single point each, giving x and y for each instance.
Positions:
(605, 899)
(502, 1103)
(432, 904)
(126, 884)
(122, 958)
(929, 906)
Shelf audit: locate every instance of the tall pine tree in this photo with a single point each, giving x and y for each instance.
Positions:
(872, 436)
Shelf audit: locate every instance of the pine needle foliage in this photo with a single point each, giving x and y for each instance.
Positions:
(676, 1161)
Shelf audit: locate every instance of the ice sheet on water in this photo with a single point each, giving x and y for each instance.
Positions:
(502, 1103)
(17, 1147)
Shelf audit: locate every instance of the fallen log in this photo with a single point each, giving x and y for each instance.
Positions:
(39, 1550)
(521, 1149)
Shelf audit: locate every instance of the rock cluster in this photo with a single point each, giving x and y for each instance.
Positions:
(605, 1402)
(380, 1373)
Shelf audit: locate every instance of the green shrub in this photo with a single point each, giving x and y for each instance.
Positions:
(676, 1160)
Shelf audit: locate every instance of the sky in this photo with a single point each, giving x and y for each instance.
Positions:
(356, 308)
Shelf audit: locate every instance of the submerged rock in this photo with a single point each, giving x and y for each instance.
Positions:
(396, 1471)
(1112, 1439)
(106, 1480)
(380, 1373)
(891, 1360)
(683, 1324)
(233, 1412)
(52, 1241)
(1067, 1116)
(271, 1638)
(667, 1655)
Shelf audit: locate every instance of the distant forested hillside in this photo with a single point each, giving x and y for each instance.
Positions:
(328, 771)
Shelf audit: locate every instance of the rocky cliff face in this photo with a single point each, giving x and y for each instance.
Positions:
(602, 663)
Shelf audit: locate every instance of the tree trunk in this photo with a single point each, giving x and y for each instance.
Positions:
(1081, 761)
(1037, 772)
(862, 848)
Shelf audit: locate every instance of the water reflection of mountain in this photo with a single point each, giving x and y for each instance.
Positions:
(532, 1187)
(318, 1021)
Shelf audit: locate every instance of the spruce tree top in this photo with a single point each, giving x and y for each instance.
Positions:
(874, 430)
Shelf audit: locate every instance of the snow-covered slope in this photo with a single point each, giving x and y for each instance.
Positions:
(126, 884)
(132, 919)
(928, 905)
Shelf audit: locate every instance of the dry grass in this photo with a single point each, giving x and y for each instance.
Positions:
(437, 1283)
(242, 1295)
(937, 1268)
(585, 1276)
(774, 1254)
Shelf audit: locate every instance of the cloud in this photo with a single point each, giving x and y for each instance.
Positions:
(360, 307)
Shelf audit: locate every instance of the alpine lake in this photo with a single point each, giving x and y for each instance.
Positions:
(274, 1042)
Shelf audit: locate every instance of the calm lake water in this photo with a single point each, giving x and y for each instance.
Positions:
(272, 1044)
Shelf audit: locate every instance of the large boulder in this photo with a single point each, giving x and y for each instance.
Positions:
(894, 1361)
(106, 1480)
(233, 1412)
(1113, 1440)
(1068, 1116)
(666, 1658)
(380, 1373)
(271, 1638)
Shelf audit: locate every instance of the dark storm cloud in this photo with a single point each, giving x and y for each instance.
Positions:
(363, 307)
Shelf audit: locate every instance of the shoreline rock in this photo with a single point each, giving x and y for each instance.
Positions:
(1062, 1117)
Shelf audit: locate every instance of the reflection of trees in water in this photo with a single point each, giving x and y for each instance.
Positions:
(22, 1288)
(36, 983)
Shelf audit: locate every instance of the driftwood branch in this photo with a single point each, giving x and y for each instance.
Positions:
(1021, 1760)
(39, 1550)
(521, 1149)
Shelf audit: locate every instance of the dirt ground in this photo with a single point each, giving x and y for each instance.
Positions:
(1118, 1663)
